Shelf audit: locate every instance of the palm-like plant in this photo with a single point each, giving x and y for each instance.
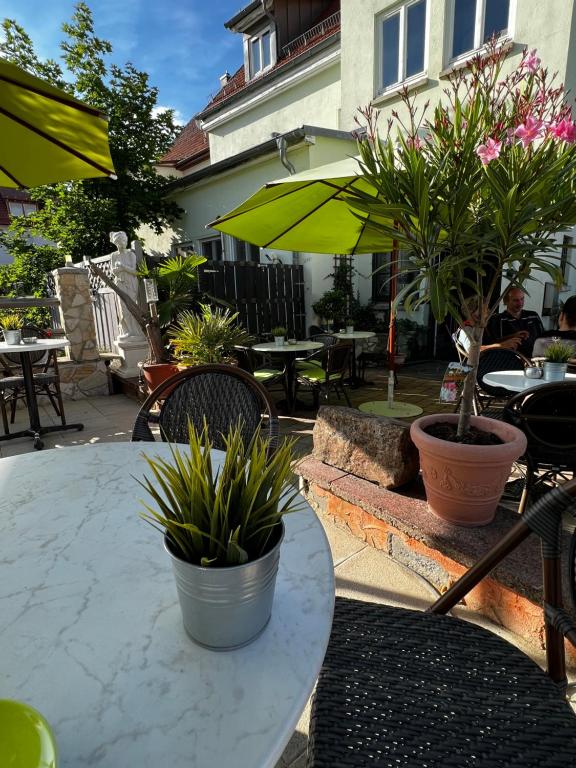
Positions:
(476, 193)
(206, 337)
(177, 280)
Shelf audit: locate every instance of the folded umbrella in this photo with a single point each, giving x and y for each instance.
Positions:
(47, 135)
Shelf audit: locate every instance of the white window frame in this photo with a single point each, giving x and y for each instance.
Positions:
(21, 208)
(478, 42)
(401, 10)
(248, 40)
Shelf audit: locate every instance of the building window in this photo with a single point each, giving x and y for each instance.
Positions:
(246, 251)
(474, 22)
(402, 43)
(17, 208)
(260, 52)
(211, 248)
(381, 283)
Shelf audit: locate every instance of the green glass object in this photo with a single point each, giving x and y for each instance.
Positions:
(26, 740)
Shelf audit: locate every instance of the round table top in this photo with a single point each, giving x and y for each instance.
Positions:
(92, 634)
(515, 381)
(355, 335)
(300, 346)
(37, 346)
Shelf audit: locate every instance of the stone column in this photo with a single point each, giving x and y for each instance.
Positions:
(86, 373)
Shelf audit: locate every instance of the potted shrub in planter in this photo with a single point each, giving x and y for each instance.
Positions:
(556, 359)
(11, 324)
(474, 193)
(349, 325)
(223, 532)
(208, 336)
(279, 335)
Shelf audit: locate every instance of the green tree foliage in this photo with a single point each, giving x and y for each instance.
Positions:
(78, 215)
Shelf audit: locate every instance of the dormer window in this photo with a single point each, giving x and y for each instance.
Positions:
(260, 51)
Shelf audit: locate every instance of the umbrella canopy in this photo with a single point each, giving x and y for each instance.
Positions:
(47, 135)
(308, 212)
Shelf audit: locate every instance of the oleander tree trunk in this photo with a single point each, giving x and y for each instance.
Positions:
(467, 402)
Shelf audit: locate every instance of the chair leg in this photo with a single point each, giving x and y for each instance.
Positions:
(4, 414)
(60, 411)
(348, 403)
(14, 400)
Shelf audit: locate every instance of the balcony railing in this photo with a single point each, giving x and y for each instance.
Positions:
(320, 30)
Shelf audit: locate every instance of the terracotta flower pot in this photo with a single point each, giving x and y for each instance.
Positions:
(464, 483)
(157, 373)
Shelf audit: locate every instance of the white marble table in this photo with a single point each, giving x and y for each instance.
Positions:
(91, 632)
(515, 381)
(289, 351)
(36, 430)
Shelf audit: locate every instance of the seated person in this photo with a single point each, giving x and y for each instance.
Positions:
(512, 343)
(566, 329)
(515, 322)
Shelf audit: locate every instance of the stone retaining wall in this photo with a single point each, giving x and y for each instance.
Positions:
(401, 525)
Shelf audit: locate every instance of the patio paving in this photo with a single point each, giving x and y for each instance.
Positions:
(360, 571)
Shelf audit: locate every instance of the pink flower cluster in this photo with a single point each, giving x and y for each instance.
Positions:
(530, 62)
(563, 130)
(531, 129)
(528, 131)
(489, 151)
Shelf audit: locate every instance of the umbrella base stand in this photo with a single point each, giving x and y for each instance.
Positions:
(396, 410)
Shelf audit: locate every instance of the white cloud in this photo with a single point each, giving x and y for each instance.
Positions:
(178, 116)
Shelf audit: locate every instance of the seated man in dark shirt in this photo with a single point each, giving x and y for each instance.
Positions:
(515, 321)
(566, 329)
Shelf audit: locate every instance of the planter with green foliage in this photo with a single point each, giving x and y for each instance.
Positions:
(208, 336)
(11, 324)
(474, 193)
(279, 334)
(556, 356)
(223, 530)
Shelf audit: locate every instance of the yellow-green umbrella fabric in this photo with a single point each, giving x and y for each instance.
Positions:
(47, 135)
(308, 212)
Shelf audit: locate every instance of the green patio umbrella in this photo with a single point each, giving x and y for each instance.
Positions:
(47, 135)
(308, 212)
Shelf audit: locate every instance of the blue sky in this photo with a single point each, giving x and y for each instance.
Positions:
(181, 44)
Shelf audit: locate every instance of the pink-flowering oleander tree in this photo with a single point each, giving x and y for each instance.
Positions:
(475, 192)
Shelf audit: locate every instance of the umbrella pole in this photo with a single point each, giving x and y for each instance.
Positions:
(392, 322)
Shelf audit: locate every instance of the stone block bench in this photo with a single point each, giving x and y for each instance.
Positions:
(399, 523)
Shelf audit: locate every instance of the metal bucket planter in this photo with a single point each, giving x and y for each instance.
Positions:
(12, 337)
(279, 341)
(225, 608)
(555, 371)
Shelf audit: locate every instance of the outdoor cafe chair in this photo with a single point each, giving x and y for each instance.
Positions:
(489, 400)
(267, 375)
(547, 416)
(329, 375)
(315, 357)
(46, 378)
(402, 687)
(223, 395)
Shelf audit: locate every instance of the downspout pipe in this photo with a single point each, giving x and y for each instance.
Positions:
(282, 147)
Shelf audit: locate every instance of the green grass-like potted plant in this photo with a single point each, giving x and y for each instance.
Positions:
(223, 529)
(11, 324)
(206, 337)
(279, 334)
(556, 356)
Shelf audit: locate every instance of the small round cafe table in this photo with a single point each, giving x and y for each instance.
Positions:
(92, 634)
(353, 337)
(289, 352)
(515, 381)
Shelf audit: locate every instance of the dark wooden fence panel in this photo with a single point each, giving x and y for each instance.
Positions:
(265, 295)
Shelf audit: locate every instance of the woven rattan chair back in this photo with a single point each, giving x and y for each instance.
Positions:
(414, 689)
(547, 416)
(498, 360)
(223, 395)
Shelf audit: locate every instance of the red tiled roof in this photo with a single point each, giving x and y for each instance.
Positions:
(191, 145)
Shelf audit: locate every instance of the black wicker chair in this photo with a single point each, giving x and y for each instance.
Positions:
(489, 400)
(423, 690)
(316, 356)
(328, 374)
(221, 394)
(547, 416)
(45, 374)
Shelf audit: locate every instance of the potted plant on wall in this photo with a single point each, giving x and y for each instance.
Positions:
(208, 336)
(472, 195)
(223, 531)
(556, 357)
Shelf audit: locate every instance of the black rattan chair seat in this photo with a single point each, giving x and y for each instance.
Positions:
(403, 688)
